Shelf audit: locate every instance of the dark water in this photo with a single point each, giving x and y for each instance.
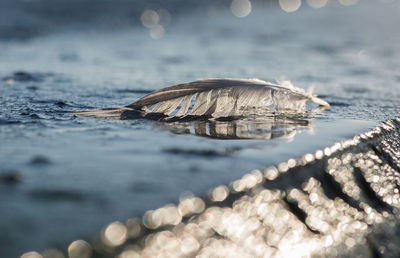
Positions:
(63, 177)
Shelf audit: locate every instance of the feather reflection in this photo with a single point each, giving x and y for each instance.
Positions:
(266, 128)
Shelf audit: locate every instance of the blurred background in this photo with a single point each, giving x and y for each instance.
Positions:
(64, 177)
(24, 19)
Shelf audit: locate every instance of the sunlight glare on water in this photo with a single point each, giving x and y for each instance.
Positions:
(241, 8)
(31, 255)
(115, 234)
(290, 5)
(150, 18)
(157, 32)
(155, 21)
(79, 249)
(219, 193)
(190, 204)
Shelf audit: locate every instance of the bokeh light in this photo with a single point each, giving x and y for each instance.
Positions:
(164, 17)
(31, 255)
(157, 32)
(79, 249)
(115, 234)
(150, 18)
(271, 173)
(129, 254)
(156, 21)
(150, 220)
(241, 8)
(134, 227)
(219, 193)
(290, 5)
(190, 204)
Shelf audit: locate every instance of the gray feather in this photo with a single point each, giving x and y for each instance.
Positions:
(225, 97)
(184, 106)
(166, 107)
(216, 98)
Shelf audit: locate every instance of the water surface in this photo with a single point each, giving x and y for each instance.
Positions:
(63, 177)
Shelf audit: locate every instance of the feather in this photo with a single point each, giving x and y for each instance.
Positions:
(115, 112)
(184, 106)
(217, 98)
(226, 97)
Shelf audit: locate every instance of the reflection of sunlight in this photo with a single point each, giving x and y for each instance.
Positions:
(265, 128)
(303, 249)
(155, 21)
(134, 227)
(115, 234)
(79, 249)
(149, 18)
(301, 221)
(190, 204)
(129, 254)
(49, 253)
(31, 255)
(248, 181)
(241, 8)
(157, 32)
(290, 5)
(219, 193)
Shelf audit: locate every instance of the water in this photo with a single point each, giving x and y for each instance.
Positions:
(85, 172)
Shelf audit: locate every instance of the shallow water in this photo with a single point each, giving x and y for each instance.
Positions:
(58, 170)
